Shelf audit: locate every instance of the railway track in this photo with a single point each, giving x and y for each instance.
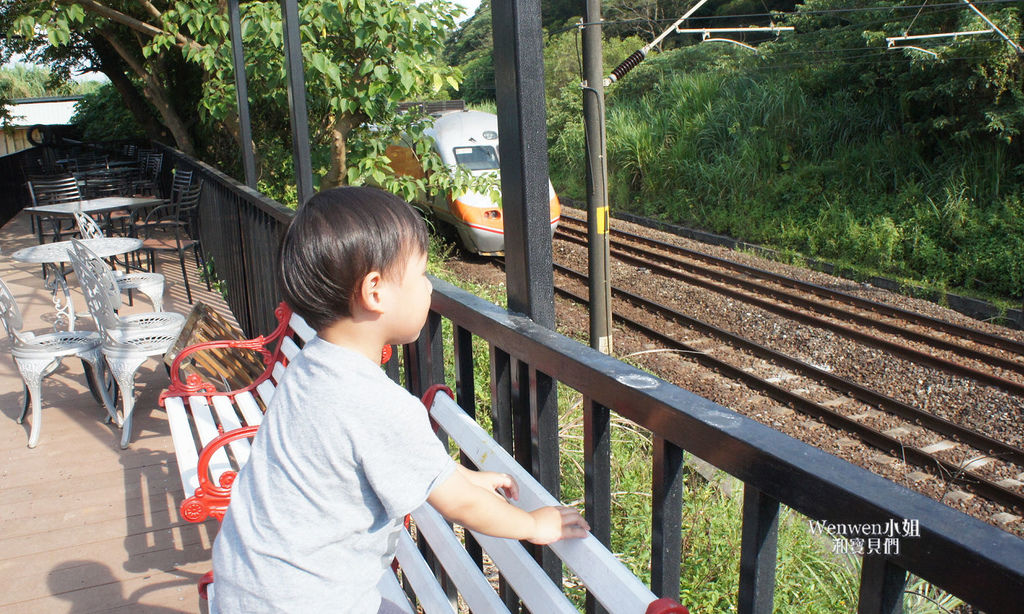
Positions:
(747, 284)
(919, 438)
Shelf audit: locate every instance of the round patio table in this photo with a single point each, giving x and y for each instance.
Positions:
(53, 256)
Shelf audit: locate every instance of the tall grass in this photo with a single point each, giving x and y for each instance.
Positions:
(772, 157)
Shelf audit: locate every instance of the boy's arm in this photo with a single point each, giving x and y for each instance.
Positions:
(460, 500)
(492, 482)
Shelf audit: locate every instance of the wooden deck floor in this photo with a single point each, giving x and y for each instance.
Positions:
(84, 525)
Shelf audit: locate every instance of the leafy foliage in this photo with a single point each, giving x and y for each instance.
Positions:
(360, 58)
(102, 116)
(24, 81)
(827, 144)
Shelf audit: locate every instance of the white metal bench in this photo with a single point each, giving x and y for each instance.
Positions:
(208, 470)
(198, 413)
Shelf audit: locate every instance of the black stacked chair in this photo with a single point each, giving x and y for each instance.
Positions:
(54, 190)
(173, 228)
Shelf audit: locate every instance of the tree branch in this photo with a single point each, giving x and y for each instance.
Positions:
(138, 26)
(152, 10)
(117, 16)
(132, 62)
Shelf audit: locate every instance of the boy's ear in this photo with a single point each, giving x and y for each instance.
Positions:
(370, 292)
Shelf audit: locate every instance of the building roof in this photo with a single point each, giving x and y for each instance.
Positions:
(46, 111)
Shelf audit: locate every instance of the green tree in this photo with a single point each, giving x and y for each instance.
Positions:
(361, 59)
(115, 38)
(102, 116)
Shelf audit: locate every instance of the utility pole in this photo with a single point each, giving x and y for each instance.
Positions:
(597, 182)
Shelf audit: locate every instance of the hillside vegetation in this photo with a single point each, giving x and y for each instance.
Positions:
(823, 143)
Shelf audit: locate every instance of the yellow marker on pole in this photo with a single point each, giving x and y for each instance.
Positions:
(602, 220)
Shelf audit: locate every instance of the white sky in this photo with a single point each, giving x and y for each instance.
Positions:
(469, 5)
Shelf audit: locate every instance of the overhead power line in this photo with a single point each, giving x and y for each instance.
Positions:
(778, 14)
(984, 17)
(638, 56)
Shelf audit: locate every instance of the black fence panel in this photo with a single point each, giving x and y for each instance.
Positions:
(240, 230)
(979, 563)
(14, 168)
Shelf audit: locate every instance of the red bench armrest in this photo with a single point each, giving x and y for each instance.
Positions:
(193, 385)
(212, 499)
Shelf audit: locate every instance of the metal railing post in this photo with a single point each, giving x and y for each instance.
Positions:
(242, 94)
(519, 91)
(297, 100)
(758, 552)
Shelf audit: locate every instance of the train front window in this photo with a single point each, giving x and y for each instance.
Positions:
(477, 157)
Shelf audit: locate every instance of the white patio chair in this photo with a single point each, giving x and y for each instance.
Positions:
(150, 284)
(126, 342)
(39, 355)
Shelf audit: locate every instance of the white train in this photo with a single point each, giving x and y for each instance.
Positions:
(469, 139)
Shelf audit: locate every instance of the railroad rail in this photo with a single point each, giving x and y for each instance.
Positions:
(988, 460)
(674, 266)
(984, 445)
(827, 293)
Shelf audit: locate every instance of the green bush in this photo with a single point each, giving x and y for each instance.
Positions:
(102, 116)
(843, 170)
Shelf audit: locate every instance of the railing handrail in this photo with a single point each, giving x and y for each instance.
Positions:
(954, 549)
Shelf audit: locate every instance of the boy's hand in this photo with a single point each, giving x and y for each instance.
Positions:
(555, 523)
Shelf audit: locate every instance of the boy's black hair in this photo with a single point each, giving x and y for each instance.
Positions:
(337, 238)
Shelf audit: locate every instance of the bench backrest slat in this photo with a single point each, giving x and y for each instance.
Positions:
(609, 581)
(391, 590)
(525, 575)
(472, 585)
(277, 373)
(299, 326)
(289, 348)
(428, 592)
(266, 390)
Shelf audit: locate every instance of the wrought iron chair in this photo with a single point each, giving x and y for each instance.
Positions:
(105, 182)
(131, 221)
(180, 183)
(172, 228)
(148, 183)
(126, 341)
(54, 190)
(150, 284)
(39, 355)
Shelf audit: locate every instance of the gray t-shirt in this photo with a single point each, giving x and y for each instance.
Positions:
(342, 456)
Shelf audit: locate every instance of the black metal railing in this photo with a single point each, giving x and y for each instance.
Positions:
(240, 230)
(15, 168)
(979, 563)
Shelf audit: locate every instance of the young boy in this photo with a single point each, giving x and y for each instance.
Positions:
(344, 453)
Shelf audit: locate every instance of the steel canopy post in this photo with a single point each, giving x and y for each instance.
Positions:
(297, 100)
(526, 210)
(242, 94)
(519, 90)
